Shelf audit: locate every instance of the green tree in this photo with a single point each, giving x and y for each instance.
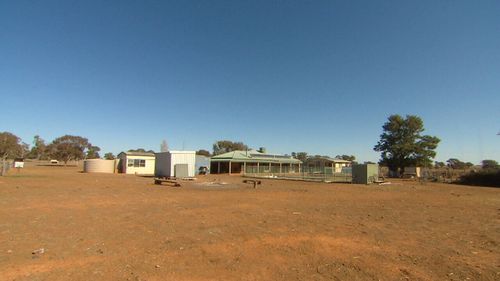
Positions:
(402, 145)
(346, 157)
(68, 148)
(490, 164)
(454, 163)
(25, 150)
(438, 164)
(302, 156)
(93, 152)
(109, 156)
(39, 148)
(10, 147)
(224, 146)
(141, 150)
(203, 152)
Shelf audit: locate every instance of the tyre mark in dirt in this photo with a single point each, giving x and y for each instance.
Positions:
(25, 270)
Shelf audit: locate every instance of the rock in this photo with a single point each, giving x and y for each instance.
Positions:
(38, 251)
(157, 266)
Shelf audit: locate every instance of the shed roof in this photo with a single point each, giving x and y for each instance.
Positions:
(178, 152)
(253, 156)
(131, 153)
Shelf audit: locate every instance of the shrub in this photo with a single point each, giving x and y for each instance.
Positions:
(483, 178)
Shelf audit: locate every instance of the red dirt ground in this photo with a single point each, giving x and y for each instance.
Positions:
(121, 227)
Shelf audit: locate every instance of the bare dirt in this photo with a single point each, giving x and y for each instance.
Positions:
(122, 227)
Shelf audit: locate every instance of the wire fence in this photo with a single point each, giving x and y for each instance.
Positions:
(444, 174)
(305, 174)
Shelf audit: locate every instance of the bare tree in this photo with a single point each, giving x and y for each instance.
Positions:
(164, 146)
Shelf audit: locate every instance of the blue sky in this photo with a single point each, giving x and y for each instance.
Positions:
(315, 76)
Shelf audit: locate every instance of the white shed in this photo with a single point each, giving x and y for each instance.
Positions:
(176, 163)
(140, 163)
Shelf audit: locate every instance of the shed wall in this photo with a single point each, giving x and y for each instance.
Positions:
(166, 161)
(364, 173)
(184, 158)
(149, 168)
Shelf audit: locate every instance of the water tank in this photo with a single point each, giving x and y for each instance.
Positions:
(98, 166)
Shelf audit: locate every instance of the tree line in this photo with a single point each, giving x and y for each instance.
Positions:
(401, 144)
(65, 148)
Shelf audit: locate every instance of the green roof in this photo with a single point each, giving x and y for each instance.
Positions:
(253, 156)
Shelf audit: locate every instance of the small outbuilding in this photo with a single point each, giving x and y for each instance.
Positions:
(176, 163)
(365, 173)
(140, 163)
(325, 164)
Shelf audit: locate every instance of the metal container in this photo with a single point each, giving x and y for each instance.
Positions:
(364, 173)
(99, 166)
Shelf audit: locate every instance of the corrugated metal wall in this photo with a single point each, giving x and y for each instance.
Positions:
(99, 166)
(166, 161)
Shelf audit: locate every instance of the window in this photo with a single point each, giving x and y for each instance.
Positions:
(136, 163)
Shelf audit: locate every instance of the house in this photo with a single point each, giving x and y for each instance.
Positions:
(253, 162)
(325, 164)
(140, 163)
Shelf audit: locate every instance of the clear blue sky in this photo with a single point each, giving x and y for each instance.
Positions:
(315, 76)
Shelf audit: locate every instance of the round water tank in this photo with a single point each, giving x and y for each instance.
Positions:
(98, 166)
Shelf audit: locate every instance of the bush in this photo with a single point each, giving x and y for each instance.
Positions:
(483, 178)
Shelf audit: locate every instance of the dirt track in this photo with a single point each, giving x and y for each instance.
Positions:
(118, 227)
